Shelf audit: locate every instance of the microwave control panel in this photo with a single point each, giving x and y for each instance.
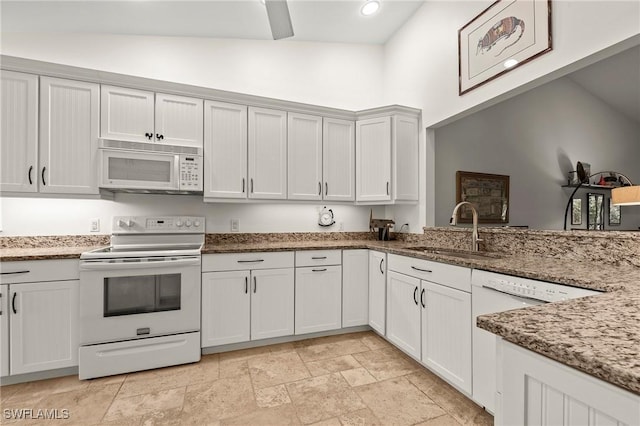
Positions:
(190, 173)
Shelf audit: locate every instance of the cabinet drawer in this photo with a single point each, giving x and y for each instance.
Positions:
(244, 261)
(457, 277)
(39, 270)
(318, 257)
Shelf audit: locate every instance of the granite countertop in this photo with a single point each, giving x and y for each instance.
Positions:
(599, 334)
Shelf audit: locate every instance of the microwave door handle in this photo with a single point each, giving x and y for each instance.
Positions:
(105, 265)
(176, 171)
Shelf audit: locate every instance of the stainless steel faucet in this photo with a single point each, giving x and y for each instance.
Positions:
(454, 221)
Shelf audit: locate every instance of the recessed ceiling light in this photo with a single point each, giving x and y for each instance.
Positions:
(510, 63)
(370, 7)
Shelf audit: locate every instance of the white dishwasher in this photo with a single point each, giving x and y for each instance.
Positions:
(490, 293)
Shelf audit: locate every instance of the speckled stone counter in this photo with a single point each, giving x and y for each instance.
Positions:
(599, 335)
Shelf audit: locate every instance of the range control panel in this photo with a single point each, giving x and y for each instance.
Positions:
(158, 225)
(190, 173)
(528, 288)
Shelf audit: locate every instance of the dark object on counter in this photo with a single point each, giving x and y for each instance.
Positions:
(383, 226)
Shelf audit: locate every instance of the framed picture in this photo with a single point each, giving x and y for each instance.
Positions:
(507, 34)
(576, 211)
(615, 214)
(595, 216)
(488, 193)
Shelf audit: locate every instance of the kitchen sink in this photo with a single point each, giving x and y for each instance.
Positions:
(463, 254)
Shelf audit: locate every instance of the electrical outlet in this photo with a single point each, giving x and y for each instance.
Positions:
(95, 225)
(235, 225)
(341, 226)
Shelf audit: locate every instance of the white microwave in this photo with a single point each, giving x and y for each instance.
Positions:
(150, 167)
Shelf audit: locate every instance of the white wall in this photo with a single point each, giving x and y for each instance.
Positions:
(52, 216)
(337, 75)
(421, 67)
(536, 138)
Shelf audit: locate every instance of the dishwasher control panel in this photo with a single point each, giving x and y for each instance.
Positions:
(528, 288)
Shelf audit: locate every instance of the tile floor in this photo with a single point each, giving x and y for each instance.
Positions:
(350, 379)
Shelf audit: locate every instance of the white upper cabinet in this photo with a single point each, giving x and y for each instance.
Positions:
(267, 154)
(338, 153)
(178, 120)
(127, 114)
(69, 127)
(405, 158)
(225, 146)
(373, 160)
(305, 157)
(141, 116)
(19, 132)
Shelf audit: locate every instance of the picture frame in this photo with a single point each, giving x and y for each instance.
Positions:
(615, 214)
(489, 193)
(576, 211)
(595, 214)
(504, 36)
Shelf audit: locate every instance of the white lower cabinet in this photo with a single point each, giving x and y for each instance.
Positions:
(403, 312)
(43, 326)
(239, 305)
(377, 290)
(4, 330)
(318, 298)
(533, 390)
(355, 287)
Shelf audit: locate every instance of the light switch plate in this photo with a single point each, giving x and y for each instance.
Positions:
(95, 225)
(235, 225)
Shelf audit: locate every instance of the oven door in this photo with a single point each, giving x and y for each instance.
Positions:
(123, 299)
(139, 170)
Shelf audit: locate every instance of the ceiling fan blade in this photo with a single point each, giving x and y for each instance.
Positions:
(279, 19)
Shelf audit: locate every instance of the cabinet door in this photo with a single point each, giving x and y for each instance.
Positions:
(69, 128)
(304, 145)
(44, 326)
(405, 158)
(373, 159)
(338, 160)
(377, 291)
(4, 330)
(446, 333)
(178, 120)
(225, 308)
(19, 132)
(225, 150)
(126, 114)
(355, 287)
(403, 312)
(318, 299)
(272, 303)
(267, 154)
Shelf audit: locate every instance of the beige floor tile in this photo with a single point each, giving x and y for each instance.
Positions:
(360, 418)
(233, 368)
(164, 417)
(224, 398)
(332, 365)
(348, 337)
(272, 397)
(445, 420)
(456, 404)
(244, 354)
(170, 377)
(109, 380)
(329, 350)
(127, 421)
(140, 405)
(333, 421)
(84, 407)
(387, 363)
(358, 377)
(323, 397)
(282, 347)
(283, 415)
(33, 391)
(398, 402)
(276, 369)
(373, 342)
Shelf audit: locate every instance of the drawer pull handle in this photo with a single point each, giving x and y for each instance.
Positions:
(13, 273)
(319, 257)
(250, 261)
(415, 295)
(243, 185)
(422, 298)
(246, 285)
(319, 270)
(421, 270)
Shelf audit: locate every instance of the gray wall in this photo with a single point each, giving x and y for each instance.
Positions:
(536, 138)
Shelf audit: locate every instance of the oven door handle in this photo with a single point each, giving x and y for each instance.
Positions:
(102, 265)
